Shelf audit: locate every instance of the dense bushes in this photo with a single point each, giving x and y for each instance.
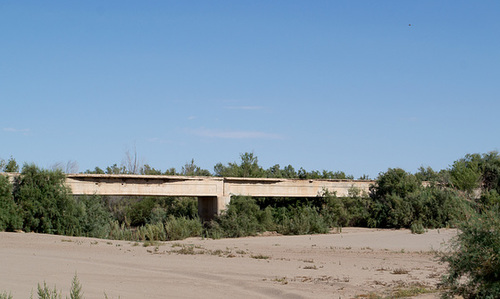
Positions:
(243, 217)
(474, 259)
(94, 217)
(400, 199)
(45, 203)
(10, 218)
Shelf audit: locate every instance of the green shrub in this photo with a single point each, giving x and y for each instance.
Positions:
(44, 292)
(5, 295)
(243, 217)
(119, 231)
(417, 228)
(334, 211)
(400, 199)
(474, 259)
(138, 213)
(46, 202)
(489, 198)
(180, 228)
(95, 218)
(76, 289)
(152, 232)
(154, 209)
(300, 220)
(10, 215)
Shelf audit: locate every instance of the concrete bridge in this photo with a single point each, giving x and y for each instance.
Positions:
(213, 193)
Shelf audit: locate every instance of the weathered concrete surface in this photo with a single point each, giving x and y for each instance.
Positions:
(214, 193)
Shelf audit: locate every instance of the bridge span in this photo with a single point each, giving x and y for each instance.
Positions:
(213, 193)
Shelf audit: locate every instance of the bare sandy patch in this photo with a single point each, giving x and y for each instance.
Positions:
(353, 263)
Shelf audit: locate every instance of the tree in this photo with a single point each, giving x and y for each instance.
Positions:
(190, 169)
(490, 171)
(395, 181)
(248, 167)
(465, 173)
(148, 170)
(46, 202)
(392, 195)
(11, 165)
(170, 171)
(427, 174)
(289, 172)
(364, 177)
(114, 169)
(96, 170)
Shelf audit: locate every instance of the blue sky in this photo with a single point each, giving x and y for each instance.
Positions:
(356, 86)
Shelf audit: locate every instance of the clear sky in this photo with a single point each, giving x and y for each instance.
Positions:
(356, 86)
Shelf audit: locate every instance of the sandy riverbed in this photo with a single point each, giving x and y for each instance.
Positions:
(342, 265)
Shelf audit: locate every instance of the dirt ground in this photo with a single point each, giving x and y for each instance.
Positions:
(350, 264)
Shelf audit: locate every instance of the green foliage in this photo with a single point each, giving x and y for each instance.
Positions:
(11, 166)
(96, 170)
(478, 173)
(178, 228)
(474, 259)
(10, 215)
(76, 289)
(44, 292)
(95, 218)
(46, 203)
(138, 212)
(417, 228)
(427, 175)
(148, 170)
(466, 174)
(400, 199)
(300, 220)
(248, 167)
(489, 198)
(155, 209)
(5, 295)
(114, 169)
(490, 170)
(174, 228)
(190, 169)
(243, 217)
(395, 181)
(276, 172)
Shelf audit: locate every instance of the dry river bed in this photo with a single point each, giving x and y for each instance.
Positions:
(352, 264)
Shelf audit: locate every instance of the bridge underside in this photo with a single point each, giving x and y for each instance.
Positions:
(209, 206)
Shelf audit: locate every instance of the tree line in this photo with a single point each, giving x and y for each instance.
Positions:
(248, 166)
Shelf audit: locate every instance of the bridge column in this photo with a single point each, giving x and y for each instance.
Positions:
(209, 206)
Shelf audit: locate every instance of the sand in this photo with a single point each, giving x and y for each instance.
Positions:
(355, 262)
